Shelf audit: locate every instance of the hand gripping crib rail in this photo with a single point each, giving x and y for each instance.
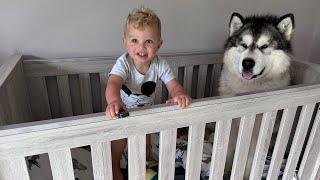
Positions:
(67, 96)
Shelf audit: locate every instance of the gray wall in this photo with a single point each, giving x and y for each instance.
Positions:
(75, 28)
(314, 54)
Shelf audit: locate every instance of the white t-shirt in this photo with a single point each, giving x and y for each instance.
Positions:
(137, 89)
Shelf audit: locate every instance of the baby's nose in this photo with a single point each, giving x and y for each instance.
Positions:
(142, 46)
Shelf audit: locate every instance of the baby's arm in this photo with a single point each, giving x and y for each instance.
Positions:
(178, 94)
(113, 95)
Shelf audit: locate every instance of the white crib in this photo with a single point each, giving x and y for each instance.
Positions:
(51, 106)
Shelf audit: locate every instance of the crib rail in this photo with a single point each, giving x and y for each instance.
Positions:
(57, 137)
(75, 86)
(66, 87)
(14, 102)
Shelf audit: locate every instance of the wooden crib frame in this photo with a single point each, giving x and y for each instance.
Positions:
(39, 89)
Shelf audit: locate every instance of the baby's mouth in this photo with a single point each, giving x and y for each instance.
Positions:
(142, 54)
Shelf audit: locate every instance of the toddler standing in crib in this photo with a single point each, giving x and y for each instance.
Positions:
(133, 78)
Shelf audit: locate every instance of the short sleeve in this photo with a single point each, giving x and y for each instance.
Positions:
(164, 71)
(120, 68)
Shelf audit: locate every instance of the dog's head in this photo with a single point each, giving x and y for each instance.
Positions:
(258, 45)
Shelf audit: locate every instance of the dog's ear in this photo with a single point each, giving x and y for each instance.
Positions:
(286, 25)
(236, 22)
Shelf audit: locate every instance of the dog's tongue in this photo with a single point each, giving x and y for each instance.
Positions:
(247, 75)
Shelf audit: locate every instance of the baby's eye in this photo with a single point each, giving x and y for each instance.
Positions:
(134, 40)
(149, 41)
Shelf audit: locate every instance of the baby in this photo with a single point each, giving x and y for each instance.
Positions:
(133, 78)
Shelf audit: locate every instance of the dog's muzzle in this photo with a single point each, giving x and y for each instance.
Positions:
(247, 65)
(249, 74)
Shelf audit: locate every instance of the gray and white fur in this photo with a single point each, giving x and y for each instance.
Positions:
(256, 58)
(257, 54)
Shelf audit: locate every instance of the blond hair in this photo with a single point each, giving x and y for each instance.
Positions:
(143, 17)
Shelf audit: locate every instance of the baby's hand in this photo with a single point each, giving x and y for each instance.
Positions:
(113, 108)
(183, 100)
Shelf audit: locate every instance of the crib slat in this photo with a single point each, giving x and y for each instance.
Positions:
(218, 75)
(317, 175)
(281, 142)
(85, 89)
(5, 113)
(64, 95)
(158, 92)
(53, 95)
(298, 140)
(220, 146)
(103, 82)
(61, 165)
(311, 158)
(215, 79)
(101, 161)
(13, 169)
(137, 157)
(242, 147)
(187, 83)
(263, 142)
(175, 72)
(167, 152)
(40, 102)
(16, 96)
(194, 153)
(201, 80)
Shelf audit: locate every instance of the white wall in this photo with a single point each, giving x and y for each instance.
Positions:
(314, 54)
(65, 28)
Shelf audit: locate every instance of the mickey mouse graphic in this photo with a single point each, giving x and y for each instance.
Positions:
(133, 100)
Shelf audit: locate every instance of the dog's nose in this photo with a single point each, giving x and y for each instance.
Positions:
(248, 63)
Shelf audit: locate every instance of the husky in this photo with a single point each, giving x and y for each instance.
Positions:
(257, 57)
(257, 54)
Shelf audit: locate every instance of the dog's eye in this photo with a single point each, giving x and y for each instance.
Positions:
(244, 45)
(265, 46)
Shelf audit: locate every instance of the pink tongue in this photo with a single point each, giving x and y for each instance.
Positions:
(247, 75)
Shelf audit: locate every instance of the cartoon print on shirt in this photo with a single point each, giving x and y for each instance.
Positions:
(139, 100)
(148, 88)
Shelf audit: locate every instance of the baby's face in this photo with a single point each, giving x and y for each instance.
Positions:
(142, 44)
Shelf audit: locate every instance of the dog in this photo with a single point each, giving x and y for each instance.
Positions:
(257, 54)
(256, 57)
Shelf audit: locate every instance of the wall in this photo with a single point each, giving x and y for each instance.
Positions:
(314, 54)
(76, 28)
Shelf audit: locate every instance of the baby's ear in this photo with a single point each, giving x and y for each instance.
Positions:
(286, 25)
(160, 43)
(236, 22)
